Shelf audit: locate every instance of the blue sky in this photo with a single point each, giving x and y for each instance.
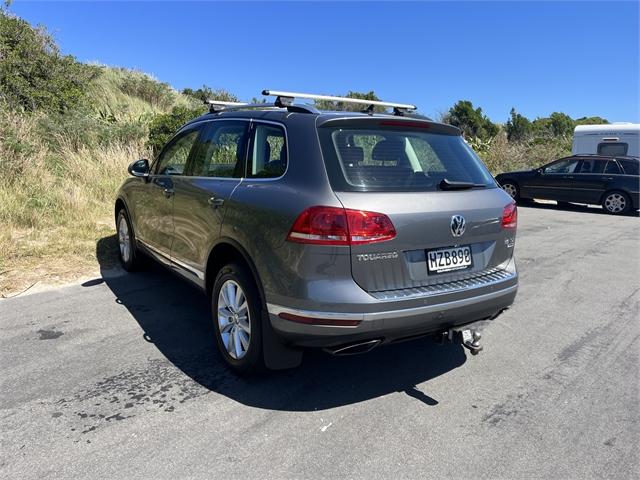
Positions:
(581, 58)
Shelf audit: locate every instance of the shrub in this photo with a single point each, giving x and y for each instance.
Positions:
(33, 74)
(158, 94)
(164, 125)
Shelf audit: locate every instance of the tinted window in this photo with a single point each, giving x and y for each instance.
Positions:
(380, 159)
(612, 168)
(221, 150)
(630, 167)
(268, 156)
(173, 158)
(612, 149)
(563, 166)
(591, 166)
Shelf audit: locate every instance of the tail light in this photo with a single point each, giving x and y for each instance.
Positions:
(510, 216)
(340, 226)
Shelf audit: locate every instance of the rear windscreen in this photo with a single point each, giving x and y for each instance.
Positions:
(379, 159)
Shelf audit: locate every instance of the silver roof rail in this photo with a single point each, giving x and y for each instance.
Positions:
(217, 105)
(285, 99)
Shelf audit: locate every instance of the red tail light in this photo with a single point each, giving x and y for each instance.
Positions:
(340, 226)
(510, 216)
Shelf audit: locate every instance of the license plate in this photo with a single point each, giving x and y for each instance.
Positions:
(448, 259)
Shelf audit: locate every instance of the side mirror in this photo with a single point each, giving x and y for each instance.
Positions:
(139, 168)
(539, 171)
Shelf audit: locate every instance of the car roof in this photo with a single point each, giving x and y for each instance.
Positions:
(282, 114)
(604, 157)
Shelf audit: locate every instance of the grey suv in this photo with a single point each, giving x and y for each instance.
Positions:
(336, 230)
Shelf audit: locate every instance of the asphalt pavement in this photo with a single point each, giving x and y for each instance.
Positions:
(118, 378)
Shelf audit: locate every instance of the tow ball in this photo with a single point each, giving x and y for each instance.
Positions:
(468, 337)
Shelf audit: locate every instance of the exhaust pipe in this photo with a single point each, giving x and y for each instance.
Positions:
(353, 348)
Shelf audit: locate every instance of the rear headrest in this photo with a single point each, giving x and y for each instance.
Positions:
(390, 149)
(351, 155)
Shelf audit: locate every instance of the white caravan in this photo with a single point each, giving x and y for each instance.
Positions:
(616, 139)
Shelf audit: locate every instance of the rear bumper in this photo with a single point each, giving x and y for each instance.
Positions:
(395, 320)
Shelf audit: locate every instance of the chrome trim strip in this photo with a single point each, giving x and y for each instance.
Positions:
(157, 251)
(189, 268)
(408, 312)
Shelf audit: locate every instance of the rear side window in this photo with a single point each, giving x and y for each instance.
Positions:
(591, 166)
(611, 149)
(380, 159)
(630, 167)
(268, 153)
(221, 151)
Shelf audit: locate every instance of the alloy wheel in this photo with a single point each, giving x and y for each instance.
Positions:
(233, 319)
(511, 189)
(615, 203)
(124, 240)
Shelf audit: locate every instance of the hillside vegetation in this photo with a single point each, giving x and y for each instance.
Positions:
(68, 130)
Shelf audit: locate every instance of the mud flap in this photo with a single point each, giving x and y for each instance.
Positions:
(277, 355)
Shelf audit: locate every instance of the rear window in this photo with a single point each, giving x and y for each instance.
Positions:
(612, 149)
(630, 167)
(379, 159)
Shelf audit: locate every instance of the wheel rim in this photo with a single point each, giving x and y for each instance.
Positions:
(233, 319)
(615, 203)
(124, 239)
(510, 189)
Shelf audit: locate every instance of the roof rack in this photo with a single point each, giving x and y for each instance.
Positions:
(218, 105)
(285, 99)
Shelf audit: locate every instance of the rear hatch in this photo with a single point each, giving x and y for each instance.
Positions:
(447, 211)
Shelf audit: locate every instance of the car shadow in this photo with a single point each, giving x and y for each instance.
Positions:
(175, 317)
(572, 207)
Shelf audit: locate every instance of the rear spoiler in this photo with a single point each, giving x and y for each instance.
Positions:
(384, 122)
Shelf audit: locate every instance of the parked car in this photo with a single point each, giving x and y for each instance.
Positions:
(324, 229)
(612, 182)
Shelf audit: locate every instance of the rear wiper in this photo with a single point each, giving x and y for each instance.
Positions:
(447, 184)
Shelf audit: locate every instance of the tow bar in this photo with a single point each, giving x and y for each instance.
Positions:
(468, 337)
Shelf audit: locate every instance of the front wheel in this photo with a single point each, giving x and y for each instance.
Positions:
(616, 203)
(236, 308)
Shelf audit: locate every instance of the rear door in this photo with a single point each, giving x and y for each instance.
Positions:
(215, 170)
(399, 173)
(590, 180)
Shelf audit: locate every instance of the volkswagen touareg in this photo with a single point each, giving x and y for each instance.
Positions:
(335, 230)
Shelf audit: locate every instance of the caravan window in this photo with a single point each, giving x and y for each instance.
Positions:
(613, 149)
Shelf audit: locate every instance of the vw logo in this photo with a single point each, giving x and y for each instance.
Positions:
(458, 225)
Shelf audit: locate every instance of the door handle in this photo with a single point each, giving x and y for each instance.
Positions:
(215, 202)
(168, 192)
(608, 178)
(570, 177)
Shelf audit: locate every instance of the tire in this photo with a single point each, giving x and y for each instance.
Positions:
(127, 250)
(237, 329)
(616, 203)
(512, 189)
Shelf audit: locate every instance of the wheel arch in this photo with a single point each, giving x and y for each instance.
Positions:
(224, 251)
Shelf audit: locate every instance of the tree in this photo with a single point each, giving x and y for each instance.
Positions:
(591, 121)
(471, 121)
(561, 124)
(33, 73)
(518, 127)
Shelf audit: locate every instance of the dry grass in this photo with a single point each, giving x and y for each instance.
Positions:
(55, 205)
